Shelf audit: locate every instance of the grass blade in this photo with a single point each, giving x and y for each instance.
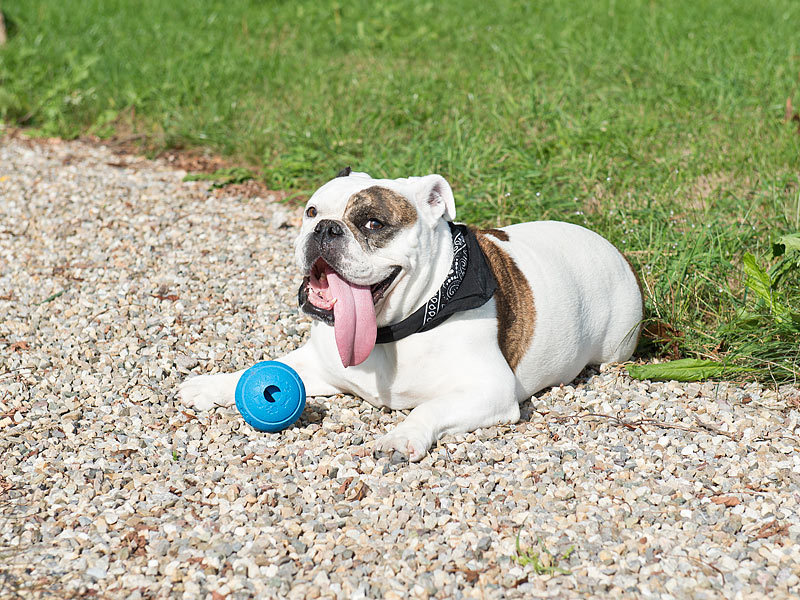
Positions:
(686, 369)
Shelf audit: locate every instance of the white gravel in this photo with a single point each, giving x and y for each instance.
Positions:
(117, 281)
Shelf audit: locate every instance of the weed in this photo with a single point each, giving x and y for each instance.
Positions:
(51, 297)
(543, 561)
(762, 335)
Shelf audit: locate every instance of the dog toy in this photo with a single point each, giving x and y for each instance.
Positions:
(270, 396)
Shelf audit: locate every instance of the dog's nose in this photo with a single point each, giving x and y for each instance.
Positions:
(328, 229)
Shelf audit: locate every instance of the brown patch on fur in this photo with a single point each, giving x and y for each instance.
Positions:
(387, 206)
(498, 233)
(516, 311)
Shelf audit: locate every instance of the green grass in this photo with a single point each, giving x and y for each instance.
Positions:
(542, 561)
(658, 124)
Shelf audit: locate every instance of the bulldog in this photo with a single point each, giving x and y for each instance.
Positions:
(413, 311)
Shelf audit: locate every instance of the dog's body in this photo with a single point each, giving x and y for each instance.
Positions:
(377, 250)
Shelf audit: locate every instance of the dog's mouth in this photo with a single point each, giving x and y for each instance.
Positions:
(348, 307)
(318, 291)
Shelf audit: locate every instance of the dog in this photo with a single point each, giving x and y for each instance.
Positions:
(413, 311)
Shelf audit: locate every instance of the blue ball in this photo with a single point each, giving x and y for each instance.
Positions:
(270, 396)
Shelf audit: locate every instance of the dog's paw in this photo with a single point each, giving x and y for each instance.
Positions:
(205, 392)
(405, 440)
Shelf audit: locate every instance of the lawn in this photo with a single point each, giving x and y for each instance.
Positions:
(662, 125)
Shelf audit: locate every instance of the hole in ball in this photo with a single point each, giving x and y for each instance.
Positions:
(270, 392)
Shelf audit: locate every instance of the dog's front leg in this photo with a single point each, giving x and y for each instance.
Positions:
(470, 408)
(207, 391)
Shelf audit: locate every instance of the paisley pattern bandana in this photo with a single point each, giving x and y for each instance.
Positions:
(469, 284)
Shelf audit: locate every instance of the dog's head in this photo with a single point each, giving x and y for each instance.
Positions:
(360, 237)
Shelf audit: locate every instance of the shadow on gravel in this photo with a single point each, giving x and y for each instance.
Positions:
(315, 412)
(526, 408)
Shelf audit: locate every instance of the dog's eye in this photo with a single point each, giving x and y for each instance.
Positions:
(311, 212)
(373, 225)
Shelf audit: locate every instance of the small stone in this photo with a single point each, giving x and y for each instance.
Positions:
(605, 556)
(232, 493)
(280, 219)
(185, 363)
(97, 572)
(689, 450)
(564, 492)
(161, 547)
(397, 458)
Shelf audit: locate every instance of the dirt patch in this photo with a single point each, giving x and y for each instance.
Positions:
(194, 161)
(694, 195)
(251, 189)
(129, 149)
(708, 186)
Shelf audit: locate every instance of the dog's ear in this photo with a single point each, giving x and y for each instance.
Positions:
(434, 197)
(348, 172)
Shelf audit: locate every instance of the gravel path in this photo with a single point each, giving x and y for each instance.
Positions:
(117, 279)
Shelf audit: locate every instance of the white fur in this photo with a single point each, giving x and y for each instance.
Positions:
(454, 377)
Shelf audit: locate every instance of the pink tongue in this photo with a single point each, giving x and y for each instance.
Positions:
(354, 319)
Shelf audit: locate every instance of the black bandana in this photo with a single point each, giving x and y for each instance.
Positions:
(469, 284)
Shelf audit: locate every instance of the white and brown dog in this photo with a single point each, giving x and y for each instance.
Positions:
(460, 325)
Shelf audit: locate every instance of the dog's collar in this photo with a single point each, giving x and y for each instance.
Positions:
(469, 284)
